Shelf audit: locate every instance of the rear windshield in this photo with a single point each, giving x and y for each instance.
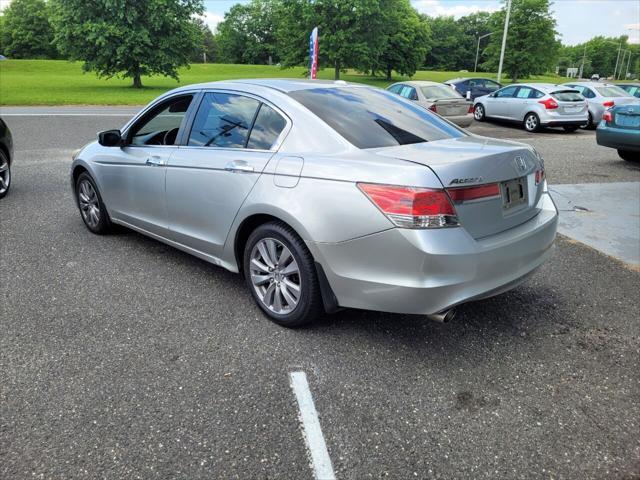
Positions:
(372, 118)
(612, 91)
(568, 96)
(439, 91)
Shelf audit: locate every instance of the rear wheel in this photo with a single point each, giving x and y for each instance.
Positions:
(570, 129)
(281, 275)
(478, 112)
(629, 156)
(92, 209)
(531, 122)
(589, 125)
(5, 174)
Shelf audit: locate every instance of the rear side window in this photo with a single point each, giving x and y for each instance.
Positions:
(223, 120)
(372, 118)
(409, 92)
(568, 96)
(524, 92)
(266, 129)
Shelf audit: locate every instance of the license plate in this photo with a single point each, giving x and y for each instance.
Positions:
(572, 109)
(514, 193)
(628, 120)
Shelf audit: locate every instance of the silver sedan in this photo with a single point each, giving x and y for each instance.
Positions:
(534, 106)
(600, 97)
(323, 195)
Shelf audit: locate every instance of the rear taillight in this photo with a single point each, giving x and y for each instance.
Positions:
(466, 194)
(412, 207)
(609, 103)
(607, 116)
(549, 103)
(540, 176)
(433, 108)
(470, 109)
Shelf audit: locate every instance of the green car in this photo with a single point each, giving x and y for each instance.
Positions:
(620, 129)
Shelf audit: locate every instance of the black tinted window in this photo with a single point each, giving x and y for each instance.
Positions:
(266, 128)
(223, 120)
(370, 118)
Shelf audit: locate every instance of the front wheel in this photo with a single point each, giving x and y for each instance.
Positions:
(92, 209)
(478, 112)
(629, 156)
(281, 275)
(5, 174)
(531, 122)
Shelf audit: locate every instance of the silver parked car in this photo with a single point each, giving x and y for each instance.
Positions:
(438, 98)
(534, 105)
(323, 195)
(601, 96)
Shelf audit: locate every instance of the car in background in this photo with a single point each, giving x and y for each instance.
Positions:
(535, 105)
(323, 195)
(595, 77)
(600, 96)
(439, 98)
(620, 129)
(631, 88)
(473, 88)
(6, 157)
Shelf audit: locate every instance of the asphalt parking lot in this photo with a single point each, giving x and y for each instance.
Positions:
(122, 358)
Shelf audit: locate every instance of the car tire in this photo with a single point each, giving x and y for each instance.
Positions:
(273, 284)
(570, 129)
(92, 209)
(629, 156)
(479, 113)
(589, 125)
(531, 122)
(5, 175)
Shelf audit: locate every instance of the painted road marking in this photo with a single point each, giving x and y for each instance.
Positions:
(322, 467)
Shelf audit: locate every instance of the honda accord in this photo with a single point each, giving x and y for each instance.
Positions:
(323, 195)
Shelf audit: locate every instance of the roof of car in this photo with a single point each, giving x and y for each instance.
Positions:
(464, 79)
(590, 84)
(545, 87)
(281, 84)
(420, 83)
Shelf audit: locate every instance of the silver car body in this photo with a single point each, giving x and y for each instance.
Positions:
(515, 102)
(439, 98)
(202, 199)
(599, 95)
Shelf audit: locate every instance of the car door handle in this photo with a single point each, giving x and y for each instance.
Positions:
(154, 161)
(239, 166)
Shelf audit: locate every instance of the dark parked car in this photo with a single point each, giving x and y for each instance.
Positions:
(476, 86)
(620, 129)
(6, 156)
(632, 88)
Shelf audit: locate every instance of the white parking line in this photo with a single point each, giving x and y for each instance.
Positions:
(321, 462)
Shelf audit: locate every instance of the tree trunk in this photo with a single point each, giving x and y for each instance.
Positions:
(337, 70)
(389, 72)
(137, 80)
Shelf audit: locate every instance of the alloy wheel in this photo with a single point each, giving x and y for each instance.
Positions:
(275, 276)
(5, 175)
(531, 123)
(478, 113)
(89, 203)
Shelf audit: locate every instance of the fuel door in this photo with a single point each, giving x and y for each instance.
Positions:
(288, 172)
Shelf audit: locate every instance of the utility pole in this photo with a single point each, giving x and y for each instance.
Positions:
(504, 39)
(475, 68)
(204, 56)
(615, 70)
(624, 52)
(626, 72)
(584, 55)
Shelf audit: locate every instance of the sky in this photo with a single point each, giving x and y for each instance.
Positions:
(578, 20)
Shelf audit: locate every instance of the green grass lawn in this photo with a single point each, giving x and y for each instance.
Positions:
(58, 82)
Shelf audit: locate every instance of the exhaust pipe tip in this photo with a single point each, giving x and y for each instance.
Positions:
(442, 317)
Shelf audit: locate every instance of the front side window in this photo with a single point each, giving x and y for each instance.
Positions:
(162, 124)
(223, 120)
(372, 118)
(395, 88)
(266, 129)
(506, 92)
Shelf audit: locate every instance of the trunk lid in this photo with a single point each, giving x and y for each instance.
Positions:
(472, 161)
(626, 117)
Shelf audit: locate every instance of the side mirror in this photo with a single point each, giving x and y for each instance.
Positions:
(110, 138)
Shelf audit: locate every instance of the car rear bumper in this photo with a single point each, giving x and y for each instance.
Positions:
(428, 271)
(565, 123)
(618, 138)
(461, 120)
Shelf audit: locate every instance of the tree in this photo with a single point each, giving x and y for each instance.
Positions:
(407, 39)
(127, 38)
(248, 33)
(532, 47)
(207, 45)
(26, 31)
(472, 27)
(447, 46)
